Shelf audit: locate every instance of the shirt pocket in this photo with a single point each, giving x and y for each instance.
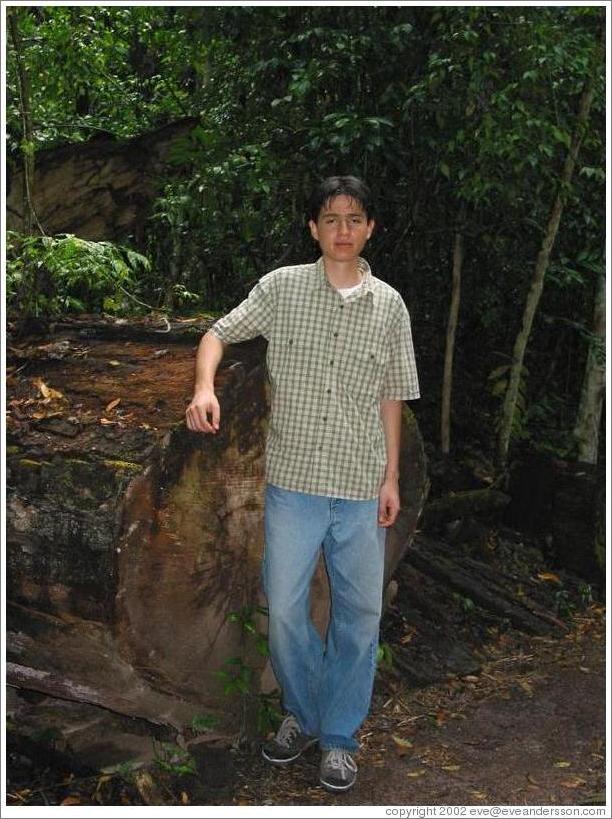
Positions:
(290, 357)
(363, 370)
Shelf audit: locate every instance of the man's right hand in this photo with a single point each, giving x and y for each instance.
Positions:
(204, 406)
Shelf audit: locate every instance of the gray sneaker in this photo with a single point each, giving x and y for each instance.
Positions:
(288, 744)
(338, 770)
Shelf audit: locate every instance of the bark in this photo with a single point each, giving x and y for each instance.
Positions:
(131, 539)
(447, 381)
(588, 420)
(436, 560)
(537, 282)
(102, 189)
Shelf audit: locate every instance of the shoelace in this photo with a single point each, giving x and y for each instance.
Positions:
(340, 759)
(288, 730)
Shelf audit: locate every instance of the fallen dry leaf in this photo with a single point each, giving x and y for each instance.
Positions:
(562, 764)
(102, 781)
(47, 392)
(553, 578)
(441, 717)
(42, 414)
(105, 422)
(114, 363)
(451, 767)
(112, 405)
(71, 800)
(415, 774)
(402, 746)
(574, 782)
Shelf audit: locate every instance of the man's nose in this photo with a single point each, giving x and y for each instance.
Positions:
(344, 227)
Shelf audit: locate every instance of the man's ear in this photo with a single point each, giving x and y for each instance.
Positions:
(313, 230)
(371, 227)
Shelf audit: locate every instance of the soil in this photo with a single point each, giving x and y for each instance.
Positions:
(529, 729)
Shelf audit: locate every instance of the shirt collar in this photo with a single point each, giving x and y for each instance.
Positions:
(367, 281)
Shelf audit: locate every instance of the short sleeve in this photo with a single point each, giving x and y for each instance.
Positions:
(252, 317)
(400, 382)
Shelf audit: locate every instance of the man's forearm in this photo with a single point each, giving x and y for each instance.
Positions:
(210, 353)
(391, 415)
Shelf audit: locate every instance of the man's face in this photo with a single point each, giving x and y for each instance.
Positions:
(342, 229)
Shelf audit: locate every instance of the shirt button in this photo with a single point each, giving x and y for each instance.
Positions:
(342, 307)
(335, 335)
(328, 391)
(331, 362)
(325, 417)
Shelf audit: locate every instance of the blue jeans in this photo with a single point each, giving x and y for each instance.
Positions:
(326, 686)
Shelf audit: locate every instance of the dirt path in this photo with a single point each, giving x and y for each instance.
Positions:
(530, 729)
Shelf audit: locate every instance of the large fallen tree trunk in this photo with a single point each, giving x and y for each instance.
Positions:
(99, 189)
(131, 539)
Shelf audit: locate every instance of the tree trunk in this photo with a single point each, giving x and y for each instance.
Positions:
(588, 419)
(130, 539)
(447, 381)
(27, 143)
(101, 189)
(537, 282)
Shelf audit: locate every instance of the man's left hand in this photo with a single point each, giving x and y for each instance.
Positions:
(388, 502)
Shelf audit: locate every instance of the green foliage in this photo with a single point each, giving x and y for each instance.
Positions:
(566, 602)
(245, 619)
(48, 276)
(466, 604)
(239, 677)
(384, 655)
(564, 605)
(118, 70)
(463, 125)
(269, 715)
(126, 770)
(203, 722)
(173, 759)
(585, 594)
(236, 676)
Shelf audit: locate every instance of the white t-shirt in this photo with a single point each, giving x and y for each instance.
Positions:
(346, 291)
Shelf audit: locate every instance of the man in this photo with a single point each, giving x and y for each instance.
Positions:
(340, 363)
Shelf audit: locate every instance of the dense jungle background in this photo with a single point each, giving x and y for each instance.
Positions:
(158, 163)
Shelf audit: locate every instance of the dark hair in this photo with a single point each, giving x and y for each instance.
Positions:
(340, 186)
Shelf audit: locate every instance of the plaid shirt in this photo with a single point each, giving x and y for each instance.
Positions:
(330, 361)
